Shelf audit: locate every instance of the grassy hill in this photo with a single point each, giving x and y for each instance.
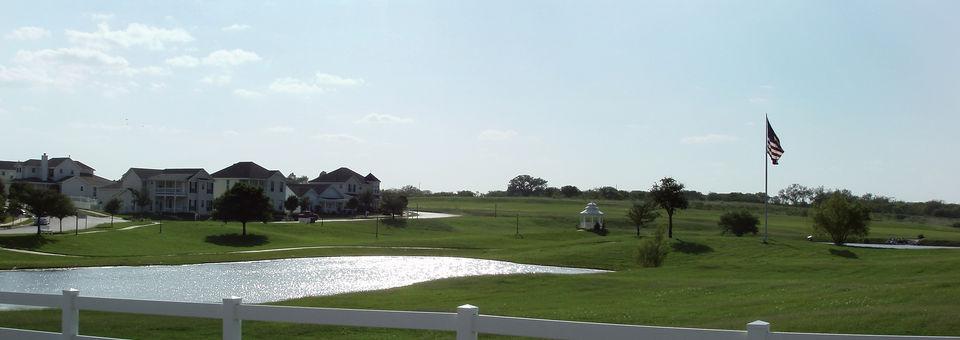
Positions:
(708, 280)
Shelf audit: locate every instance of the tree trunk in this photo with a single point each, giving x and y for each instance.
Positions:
(670, 228)
(638, 230)
(244, 228)
(111, 221)
(38, 226)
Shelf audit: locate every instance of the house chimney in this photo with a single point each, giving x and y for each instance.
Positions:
(44, 167)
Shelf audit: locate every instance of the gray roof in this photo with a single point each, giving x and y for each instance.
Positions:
(54, 162)
(166, 174)
(8, 165)
(245, 170)
(342, 175)
(301, 189)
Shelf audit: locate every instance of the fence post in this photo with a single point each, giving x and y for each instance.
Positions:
(467, 322)
(232, 326)
(758, 330)
(69, 314)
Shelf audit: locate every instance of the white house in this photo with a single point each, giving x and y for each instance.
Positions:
(323, 198)
(70, 177)
(350, 183)
(272, 182)
(8, 173)
(171, 191)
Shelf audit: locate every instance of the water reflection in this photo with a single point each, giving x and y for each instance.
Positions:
(261, 281)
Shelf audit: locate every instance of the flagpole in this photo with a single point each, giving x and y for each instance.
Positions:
(766, 166)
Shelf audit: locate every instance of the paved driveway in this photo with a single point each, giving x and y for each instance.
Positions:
(68, 225)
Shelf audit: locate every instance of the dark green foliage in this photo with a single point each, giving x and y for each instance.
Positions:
(242, 203)
(3, 201)
(393, 203)
(42, 202)
(112, 207)
(141, 199)
(63, 208)
(367, 200)
(304, 203)
(955, 225)
(551, 192)
(569, 191)
(841, 217)
(353, 203)
(739, 223)
(668, 194)
(642, 213)
(292, 202)
(526, 185)
(653, 250)
(466, 193)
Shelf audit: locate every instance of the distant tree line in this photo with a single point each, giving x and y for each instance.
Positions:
(793, 195)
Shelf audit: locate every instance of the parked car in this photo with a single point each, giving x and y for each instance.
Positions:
(43, 220)
(312, 216)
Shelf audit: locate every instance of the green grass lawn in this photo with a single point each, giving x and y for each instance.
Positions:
(708, 280)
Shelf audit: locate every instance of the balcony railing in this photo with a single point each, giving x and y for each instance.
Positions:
(169, 191)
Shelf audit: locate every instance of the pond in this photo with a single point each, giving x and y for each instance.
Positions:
(260, 281)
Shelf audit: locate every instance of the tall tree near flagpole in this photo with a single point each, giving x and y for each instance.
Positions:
(772, 151)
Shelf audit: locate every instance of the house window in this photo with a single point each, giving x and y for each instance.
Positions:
(71, 172)
(210, 188)
(272, 183)
(193, 187)
(81, 188)
(33, 170)
(61, 171)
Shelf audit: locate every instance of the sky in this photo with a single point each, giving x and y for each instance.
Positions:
(454, 95)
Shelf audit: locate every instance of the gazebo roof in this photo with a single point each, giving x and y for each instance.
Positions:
(591, 210)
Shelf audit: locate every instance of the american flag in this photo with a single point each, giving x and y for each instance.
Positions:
(773, 144)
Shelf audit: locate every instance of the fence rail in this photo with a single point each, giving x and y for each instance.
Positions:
(466, 322)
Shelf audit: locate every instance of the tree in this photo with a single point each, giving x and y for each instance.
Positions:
(569, 191)
(642, 213)
(242, 203)
(466, 193)
(40, 202)
(795, 194)
(3, 201)
(294, 179)
(141, 199)
(551, 192)
(526, 185)
(366, 199)
(304, 203)
(739, 223)
(353, 204)
(63, 207)
(393, 203)
(112, 207)
(411, 191)
(668, 194)
(841, 217)
(653, 251)
(291, 203)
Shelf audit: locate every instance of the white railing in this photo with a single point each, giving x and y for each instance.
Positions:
(466, 322)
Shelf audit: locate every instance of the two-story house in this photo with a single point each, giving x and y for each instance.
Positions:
(272, 182)
(8, 173)
(63, 174)
(171, 191)
(323, 198)
(351, 183)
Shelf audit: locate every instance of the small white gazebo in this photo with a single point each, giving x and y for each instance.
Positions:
(590, 216)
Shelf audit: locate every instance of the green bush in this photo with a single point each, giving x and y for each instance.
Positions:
(739, 223)
(653, 250)
(955, 225)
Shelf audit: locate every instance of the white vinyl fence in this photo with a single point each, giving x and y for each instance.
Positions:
(466, 322)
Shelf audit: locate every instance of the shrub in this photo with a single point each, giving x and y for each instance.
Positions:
(956, 224)
(653, 250)
(739, 223)
(841, 217)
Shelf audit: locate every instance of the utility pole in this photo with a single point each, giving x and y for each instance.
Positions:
(518, 225)
(76, 220)
(378, 228)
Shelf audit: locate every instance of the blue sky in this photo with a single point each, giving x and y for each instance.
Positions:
(465, 95)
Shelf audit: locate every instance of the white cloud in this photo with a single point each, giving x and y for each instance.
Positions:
(27, 33)
(322, 82)
(217, 79)
(295, 86)
(135, 34)
(279, 129)
(496, 135)
(377, 118)
(338, 138)
(225, 58)
(183, 61)
(235, 28)
(68, 68)
(708, 139)
(325, 79)
(247, 93)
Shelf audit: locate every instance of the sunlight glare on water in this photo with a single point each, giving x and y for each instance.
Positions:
(261, 281)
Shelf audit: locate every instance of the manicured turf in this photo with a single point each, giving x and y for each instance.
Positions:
(708, 280)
